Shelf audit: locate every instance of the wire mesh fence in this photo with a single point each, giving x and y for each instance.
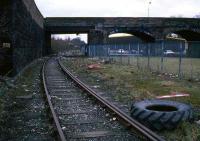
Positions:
(175, 58)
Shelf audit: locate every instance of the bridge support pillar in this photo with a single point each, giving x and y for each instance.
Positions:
(193, 49)
(47, 49)
(97, 37)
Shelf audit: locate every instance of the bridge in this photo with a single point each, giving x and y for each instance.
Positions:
(29, 33)
(147, 29)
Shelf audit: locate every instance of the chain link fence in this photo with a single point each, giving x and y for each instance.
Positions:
(177, 58)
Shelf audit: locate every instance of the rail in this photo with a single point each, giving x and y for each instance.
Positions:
(120, 114)
(55, 118)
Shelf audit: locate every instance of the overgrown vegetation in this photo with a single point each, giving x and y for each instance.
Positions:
(60, 45)
(22, 109)
(127, 84)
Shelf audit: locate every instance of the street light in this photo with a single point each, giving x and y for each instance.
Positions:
(149, 7)
(148, 45)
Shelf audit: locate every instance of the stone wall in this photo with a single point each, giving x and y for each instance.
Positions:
(27, 33)
(5, 36)
(5, 20)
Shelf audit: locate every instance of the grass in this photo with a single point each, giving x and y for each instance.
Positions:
(190, 67)
(126, 84)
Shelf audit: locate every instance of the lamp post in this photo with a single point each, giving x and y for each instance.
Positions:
(149, 8)
(148, 45)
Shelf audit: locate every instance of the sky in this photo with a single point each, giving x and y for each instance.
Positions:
(83, 37)
(118, 8)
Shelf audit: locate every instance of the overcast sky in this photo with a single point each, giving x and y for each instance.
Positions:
(117, 8)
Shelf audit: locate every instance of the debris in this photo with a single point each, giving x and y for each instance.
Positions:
(7, 81)
(94, 66)
(198, 122)
(106, 61)
(24, 85)
(56, 97)
(114, 118)
(167, 83)
(24, 97)
(172, 95)
(26, 90)
(107, 115)
(96, 86)
(63, 128)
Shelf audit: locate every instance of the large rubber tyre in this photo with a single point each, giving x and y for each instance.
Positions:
(161, 114)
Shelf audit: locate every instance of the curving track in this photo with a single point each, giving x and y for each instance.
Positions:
(80, 114)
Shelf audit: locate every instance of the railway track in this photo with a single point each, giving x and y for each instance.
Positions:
(80, 114)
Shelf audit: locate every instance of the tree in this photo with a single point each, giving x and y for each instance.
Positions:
(59, 45)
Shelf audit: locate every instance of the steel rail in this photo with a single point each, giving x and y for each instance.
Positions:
(55, 118)
(127, 119)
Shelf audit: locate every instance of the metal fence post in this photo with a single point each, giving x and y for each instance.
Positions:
(138, 53)
(148, 47)
(89, 50)
(108, 52)
(191, 60)
(121, 56)
(93, 51)
(191, 69)
(180, 60)
(129, 50)
(162, 56)
(116, 57)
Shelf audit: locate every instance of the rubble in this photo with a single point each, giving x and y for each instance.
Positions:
(94, 66)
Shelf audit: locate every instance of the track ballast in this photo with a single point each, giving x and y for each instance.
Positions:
(80, 115)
